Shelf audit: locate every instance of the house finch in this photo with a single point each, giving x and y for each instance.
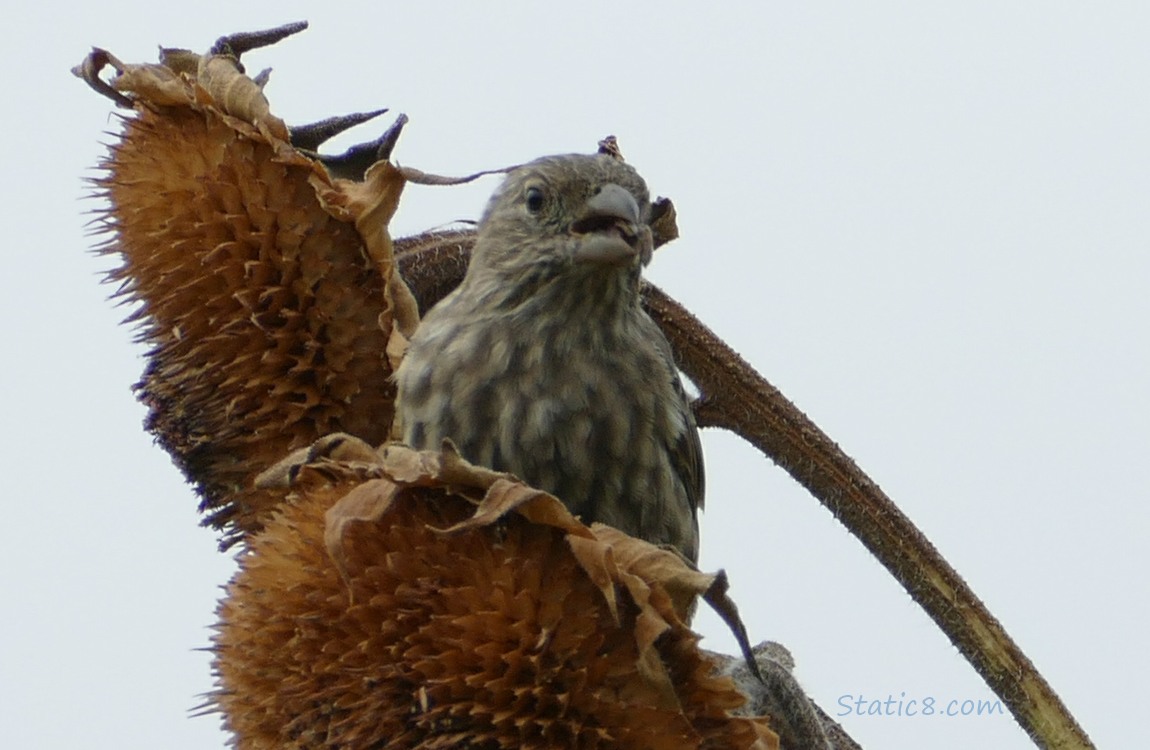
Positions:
(543, 364)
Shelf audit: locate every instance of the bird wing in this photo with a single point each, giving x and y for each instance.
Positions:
(687, 457)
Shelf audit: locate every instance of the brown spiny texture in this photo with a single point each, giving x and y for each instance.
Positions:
(220, 279)
(736, 397)
(380, 609)
(266, 312)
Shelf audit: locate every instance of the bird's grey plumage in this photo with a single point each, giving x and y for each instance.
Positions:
(542, 362)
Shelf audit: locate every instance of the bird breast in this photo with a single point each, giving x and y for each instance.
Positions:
(568, 404)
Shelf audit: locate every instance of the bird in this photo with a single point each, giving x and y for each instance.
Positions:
(543, 363)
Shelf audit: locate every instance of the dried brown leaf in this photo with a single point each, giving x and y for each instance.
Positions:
(664, 222)
(596, 561)
(236, 94)
(373, 203)
(89, 71)
(682, 581)
(257, 304)
(356, 622)
(154, 83)
(258, 293)
(182, 61)
(397, 345)
(366, 503)
(151, 82)
(736, 397)
(338, 448)
(282, 473)
(502, 497)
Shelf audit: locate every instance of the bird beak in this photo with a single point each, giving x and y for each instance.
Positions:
(610, 228)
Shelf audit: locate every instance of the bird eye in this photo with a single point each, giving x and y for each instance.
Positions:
(534, 200)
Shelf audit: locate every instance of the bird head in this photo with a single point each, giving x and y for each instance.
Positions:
(576, 214)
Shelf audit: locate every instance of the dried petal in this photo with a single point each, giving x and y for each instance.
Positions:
(355, 622)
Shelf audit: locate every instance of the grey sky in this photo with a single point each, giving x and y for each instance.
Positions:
(924, 222)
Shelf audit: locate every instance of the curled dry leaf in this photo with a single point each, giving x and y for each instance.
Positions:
(421, 602)
(183, 78)
(681, 581)
(371, 204)
(235, 94)
(259, 305)
(180, 60)
(264, 287)
(664, 222)
(736, 397)
(159, 84)
(338, 447)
